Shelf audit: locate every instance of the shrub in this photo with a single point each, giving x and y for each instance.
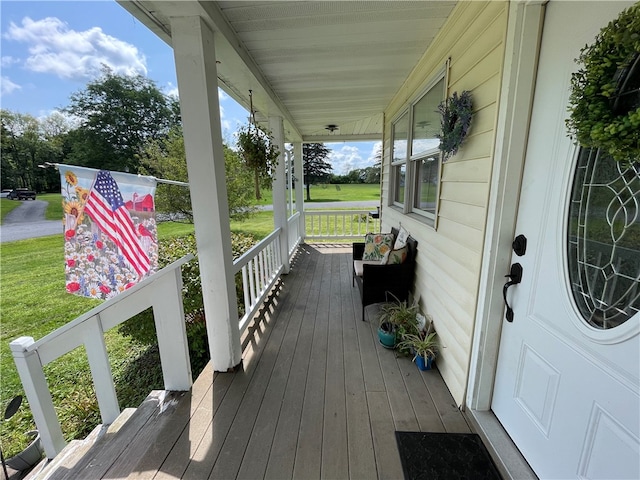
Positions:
(142, 327)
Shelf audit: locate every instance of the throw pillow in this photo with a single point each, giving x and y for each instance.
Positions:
(376, 245)
(398, 256)
(401, 241)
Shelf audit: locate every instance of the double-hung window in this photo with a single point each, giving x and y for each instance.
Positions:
(416, 158)
(399, 158)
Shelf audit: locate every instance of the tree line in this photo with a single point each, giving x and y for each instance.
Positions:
(126, 123)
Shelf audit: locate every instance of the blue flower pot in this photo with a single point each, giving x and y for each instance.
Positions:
(387, 338)
(424, 364)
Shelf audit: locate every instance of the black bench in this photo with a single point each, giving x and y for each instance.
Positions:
(379, 282)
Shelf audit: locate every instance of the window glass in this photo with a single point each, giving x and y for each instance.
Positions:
(399, 174)
(426, 189)
(426, 121)
(400, 138)
(603, 241)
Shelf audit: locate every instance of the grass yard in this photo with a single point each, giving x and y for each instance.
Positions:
(7, 206)
(334, 193)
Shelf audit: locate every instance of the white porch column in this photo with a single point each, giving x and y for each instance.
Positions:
(280, 191)
(193, 46)
(299, 171)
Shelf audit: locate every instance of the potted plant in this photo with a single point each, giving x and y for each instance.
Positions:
(258, 150)
(28, 457)
(424, 347)
(397, 319)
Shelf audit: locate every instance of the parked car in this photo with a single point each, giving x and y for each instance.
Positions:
(21, 194)
(5, 192)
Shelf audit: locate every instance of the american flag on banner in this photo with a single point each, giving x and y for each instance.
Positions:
(106, 208)
(110, 230)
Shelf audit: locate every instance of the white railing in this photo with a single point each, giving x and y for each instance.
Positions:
(294, 231)
(261, 267)
(163, 292)
(339, 224)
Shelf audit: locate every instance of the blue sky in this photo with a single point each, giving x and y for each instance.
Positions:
(51, 49)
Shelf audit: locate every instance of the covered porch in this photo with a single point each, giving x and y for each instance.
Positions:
(316, 396)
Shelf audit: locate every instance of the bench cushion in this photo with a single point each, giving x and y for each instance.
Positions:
(358, 265)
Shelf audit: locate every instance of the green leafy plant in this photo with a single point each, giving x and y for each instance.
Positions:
(598, 118)
(400, 318)
(142, 327)
(422, 345)
(455, 120)
(259, 153)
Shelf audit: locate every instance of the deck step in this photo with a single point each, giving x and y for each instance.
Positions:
(117, 449)
(75, 450)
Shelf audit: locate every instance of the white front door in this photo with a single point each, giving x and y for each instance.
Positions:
(566, 391)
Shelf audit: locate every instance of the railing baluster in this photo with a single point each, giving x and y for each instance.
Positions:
(101, 370)
(339, 224)
(245, 289)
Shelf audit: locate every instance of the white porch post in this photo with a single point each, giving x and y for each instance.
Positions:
(194, 51)
(280, 191)
(299, 169)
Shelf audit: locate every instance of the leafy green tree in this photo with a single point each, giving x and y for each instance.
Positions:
(25, 144)
(118, 115)
(316, 168)
(166, 159)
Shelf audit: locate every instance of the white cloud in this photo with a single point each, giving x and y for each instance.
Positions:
(222, 96)
(55, 48)
(7, 86)
(225, 123)
(171, 90)
(375, 150)
(345, 159)
(7, 61)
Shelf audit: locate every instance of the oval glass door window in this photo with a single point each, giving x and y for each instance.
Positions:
(604, 239)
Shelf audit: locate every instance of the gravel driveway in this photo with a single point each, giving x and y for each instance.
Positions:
(27, 221)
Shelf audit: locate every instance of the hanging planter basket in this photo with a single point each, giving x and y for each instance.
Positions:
(604, 104)
(258, 150)
(455, 120)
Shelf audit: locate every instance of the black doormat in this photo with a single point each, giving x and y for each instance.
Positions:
(450, 456)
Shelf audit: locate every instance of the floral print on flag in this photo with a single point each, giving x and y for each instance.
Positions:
(97, 263)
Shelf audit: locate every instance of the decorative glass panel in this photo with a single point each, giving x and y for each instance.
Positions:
(426, 121)
(400, 138)
(399, 174)
(426, 193)
(604, 239)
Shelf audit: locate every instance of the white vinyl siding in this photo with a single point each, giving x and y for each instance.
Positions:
(449, 259)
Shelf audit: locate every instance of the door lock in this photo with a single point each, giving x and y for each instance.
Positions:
(520, 245)
(515, 277)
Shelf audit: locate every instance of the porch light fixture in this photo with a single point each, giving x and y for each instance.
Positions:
(332, 128)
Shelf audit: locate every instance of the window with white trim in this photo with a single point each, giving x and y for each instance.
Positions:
(399, 158)
(416, 159)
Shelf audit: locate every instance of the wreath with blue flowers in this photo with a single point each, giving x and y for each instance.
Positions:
(455, 120)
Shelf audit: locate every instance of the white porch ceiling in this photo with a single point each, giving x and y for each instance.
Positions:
(314, 63)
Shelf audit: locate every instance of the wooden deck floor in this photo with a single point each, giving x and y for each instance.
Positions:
(317, 396)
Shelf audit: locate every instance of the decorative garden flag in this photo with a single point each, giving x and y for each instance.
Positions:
(110, 231)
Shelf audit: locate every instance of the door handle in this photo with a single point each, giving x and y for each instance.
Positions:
(515, 277)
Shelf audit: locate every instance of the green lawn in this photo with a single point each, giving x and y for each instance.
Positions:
(6, 206)
(334, 193)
